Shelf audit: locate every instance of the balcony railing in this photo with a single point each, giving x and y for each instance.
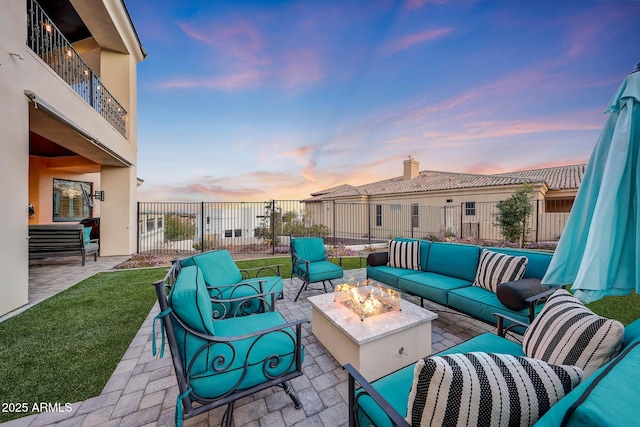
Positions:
(48, 42)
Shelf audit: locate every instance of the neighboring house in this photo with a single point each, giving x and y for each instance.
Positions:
(445, 202)
(69, 111)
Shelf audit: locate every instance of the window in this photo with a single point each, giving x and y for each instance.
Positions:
(151, 224)
(237, 232)
(470, 208)
(415, 218)
(378, 215)
(72, 200)
(228, 233)
(159, 223)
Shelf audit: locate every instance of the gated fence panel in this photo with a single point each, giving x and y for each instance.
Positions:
(184, 228)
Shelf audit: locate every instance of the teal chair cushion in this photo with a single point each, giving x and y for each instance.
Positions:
(256, 352)
(309, 248)
(537, 263)
(322, 270)
(242, 289)
(87, 235)
(190, 302)
(218, 268)
(395, 387)
(454, 260)
(432, 286)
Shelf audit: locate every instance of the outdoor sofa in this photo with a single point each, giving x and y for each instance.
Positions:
(445, 274)
(565, 333)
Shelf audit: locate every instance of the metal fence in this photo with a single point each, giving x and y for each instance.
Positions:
(265, 227)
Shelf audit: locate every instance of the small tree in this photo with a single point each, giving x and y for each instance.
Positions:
(177, 227)
(514, 213)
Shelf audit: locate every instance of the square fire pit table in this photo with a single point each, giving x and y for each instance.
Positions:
(377, 345)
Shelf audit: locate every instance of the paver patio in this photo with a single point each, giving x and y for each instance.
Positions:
(142, 390)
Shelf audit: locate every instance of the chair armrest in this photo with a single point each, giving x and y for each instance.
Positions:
(378, 258)
(247, 273)
(501, 330)
(535, 299)
(368, 390)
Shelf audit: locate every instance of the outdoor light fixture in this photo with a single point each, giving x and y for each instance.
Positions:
(98, 195)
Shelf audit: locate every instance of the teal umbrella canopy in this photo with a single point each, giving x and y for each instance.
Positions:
(599, 250)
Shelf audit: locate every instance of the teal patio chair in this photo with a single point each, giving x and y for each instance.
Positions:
(309, 263)
(225, 281)
(220, 361)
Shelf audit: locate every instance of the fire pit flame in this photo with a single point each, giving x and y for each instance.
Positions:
(367, 298)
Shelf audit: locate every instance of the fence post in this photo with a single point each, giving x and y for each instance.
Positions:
(334, 222)
(537, 219)
(202, 226)
(273, 226)
(369, 221)
(461, 207)
(138, 228)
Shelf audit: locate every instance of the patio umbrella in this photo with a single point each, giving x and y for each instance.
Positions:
(599, 250)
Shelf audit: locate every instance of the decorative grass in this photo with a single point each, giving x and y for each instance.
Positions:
(64, 349)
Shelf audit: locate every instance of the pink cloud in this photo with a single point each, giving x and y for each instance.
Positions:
(417, 4)
(301, 67)
(242, 80)
(410, 40)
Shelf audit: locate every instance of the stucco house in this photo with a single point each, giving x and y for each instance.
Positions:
(420, 203)
(69, 110)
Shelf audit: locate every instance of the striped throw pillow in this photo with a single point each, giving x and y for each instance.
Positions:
(565, 332)
(487, 389)
(495, 268)
(404, 255)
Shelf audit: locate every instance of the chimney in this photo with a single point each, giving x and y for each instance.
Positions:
(410, 168)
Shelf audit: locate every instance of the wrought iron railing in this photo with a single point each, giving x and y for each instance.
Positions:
(48, 42)
(264, 227)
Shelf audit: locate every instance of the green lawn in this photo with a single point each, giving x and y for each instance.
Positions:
(348, 263)
(66, 348)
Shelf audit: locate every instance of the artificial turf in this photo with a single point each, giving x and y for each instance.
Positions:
(64, 349)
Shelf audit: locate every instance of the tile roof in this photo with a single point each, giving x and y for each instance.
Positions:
(556, 178)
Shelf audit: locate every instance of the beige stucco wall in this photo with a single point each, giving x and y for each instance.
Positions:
(119, 183)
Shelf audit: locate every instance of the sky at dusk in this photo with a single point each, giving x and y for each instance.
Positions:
(259, 100)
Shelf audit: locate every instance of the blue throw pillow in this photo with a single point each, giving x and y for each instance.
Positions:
(87, 235)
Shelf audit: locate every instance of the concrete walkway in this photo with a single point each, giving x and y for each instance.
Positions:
(142, 390)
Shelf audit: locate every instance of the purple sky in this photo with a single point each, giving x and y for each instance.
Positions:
(258, 100)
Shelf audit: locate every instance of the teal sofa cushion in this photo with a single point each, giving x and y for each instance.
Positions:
(218, 268)
(387, 275)
(190, 300)
(537, 264)
(309, 248)
(482, 303)
(612, 401)
(432, 286)
(425, 246)
(272, 354)
(454, 260)
(396, 386)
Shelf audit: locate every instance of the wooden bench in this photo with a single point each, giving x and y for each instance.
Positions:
(54, 240)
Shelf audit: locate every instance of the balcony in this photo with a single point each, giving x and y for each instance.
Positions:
(49, 43)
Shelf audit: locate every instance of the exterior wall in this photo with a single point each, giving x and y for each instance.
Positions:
(41, 175)
(14, 158)
(25, 71)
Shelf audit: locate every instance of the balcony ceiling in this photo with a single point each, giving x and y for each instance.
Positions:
(66, 19)
(82, 19)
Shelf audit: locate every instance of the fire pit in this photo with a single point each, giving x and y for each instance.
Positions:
(367, 298)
